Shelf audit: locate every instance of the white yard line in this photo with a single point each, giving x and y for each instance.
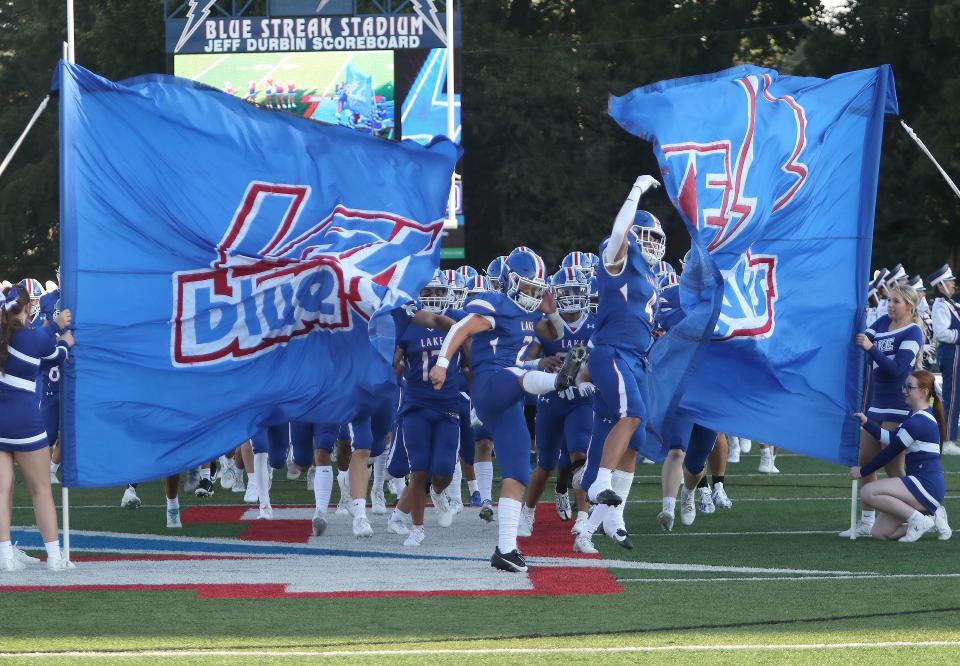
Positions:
(878, 577)
(732, 647)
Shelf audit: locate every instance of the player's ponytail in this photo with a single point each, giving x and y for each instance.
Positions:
(926, 380)
(11, 306)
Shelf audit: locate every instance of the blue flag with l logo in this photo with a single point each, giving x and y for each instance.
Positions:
(776, 177)
(227, 268)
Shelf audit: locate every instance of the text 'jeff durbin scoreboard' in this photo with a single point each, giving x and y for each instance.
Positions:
(344, 33)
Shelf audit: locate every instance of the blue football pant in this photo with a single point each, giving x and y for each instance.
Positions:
(430, 439)
(498, 399)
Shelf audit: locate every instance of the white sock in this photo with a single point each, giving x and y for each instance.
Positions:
(173, 503)
(54, 467)
(670, 505)
(262, 472)
(484, 472)
(508, 521)
(379, 472)
(473, 487)
(603, 482)
(323, 488)
(868, 516)
(6, 551)
(600, 511)
(53, 551)
(205, 473)
(343, 480)
(359, 507)
(621, 482)
(529, 511)
(538, 382)
(453, 490)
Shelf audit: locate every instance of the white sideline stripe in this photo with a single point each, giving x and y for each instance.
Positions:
(771, 578)
(666, 566)
(733, 647)
(836, 475)
(209, 68)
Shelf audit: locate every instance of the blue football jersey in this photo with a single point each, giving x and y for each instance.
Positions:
(669, 310)
(578, 333)
(421, 347)
(627, 300)
(506, 344)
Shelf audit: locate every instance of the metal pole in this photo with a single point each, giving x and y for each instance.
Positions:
(853, 509)
(23, 135)
(946, 177)
(451, 222)
(65, 492)
(71, 40)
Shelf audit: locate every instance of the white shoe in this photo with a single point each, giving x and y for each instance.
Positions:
(941, 525)
(665, 519)
(311, 477)
(361, 527)
(379, 503)
(442, 506)
(720, 498)
(53, 478)
(239, 485)
(293, 471)
(580, 523)
(228, 476)
(733, 451)
(396, 525)
(266, 512)
(564, 510)
(343, 506)
(584, 544)
(318, 525)
(130, 499)
(766, 465)
(60, 565)
(647, 461)
(251, 496)
(21, 556)
(950, 449)
(917, 526)
(527, 518)
(173, 519)
(12, 564)
(416, 536)
(705, 501)
(863, 529)
(688, 508)
(745, 444)
(192, 481)
(453, 500)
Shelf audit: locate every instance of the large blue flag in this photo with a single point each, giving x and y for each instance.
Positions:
(227, 267)
(776, 176)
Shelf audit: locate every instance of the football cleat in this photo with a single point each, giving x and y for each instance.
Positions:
(941, 525)
(665, 519)
(917, 525)
(415, 537)
(705, 500)
(378, 503)
(266, 512)
(622, 539)
(251, 496)
(239, 485)
(512, 562)
(733, 451)
(580, 523)
(130, 499)
(228, 476)
(61, 564)
(21, 556)
(486, 511)
(442, 506)
(584, 544)
(204, 488)
(688, 508)
(361, 527)
(767, 459)
(862, 529)
(527, 517)
(475, 499)
(173, 519)
(293, 471)
(745, 444)
(608, 497)
(12, 564)
(564, 511)
(396, 525)
(572, 362)
(318, 525)
(456, 504)
(720, 498)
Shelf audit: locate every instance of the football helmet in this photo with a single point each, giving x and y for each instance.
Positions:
(35, 289)
(523, 279)
(458, 288)
(477, 285)
(435, 295)
(584, 262)
(653, 242)
(572, 288)
(467, 272)
(493, 272)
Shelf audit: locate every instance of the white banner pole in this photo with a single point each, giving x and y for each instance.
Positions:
(946, 177)
(23, 135)
(65, 492)
(451, 222)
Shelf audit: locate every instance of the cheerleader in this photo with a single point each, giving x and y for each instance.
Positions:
(915, 499)
(23, 437)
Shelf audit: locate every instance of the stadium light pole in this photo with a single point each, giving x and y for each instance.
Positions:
(451, 222)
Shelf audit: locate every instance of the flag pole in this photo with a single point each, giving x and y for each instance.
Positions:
(853, 509)
(451, 222)
(946, 177)
(23, 135)
(71, 57)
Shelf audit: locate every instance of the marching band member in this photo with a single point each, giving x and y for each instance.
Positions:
(946, 327)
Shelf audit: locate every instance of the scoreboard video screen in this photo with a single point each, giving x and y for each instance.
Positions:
(383, 74)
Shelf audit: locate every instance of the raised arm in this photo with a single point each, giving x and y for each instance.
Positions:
(616, 249)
